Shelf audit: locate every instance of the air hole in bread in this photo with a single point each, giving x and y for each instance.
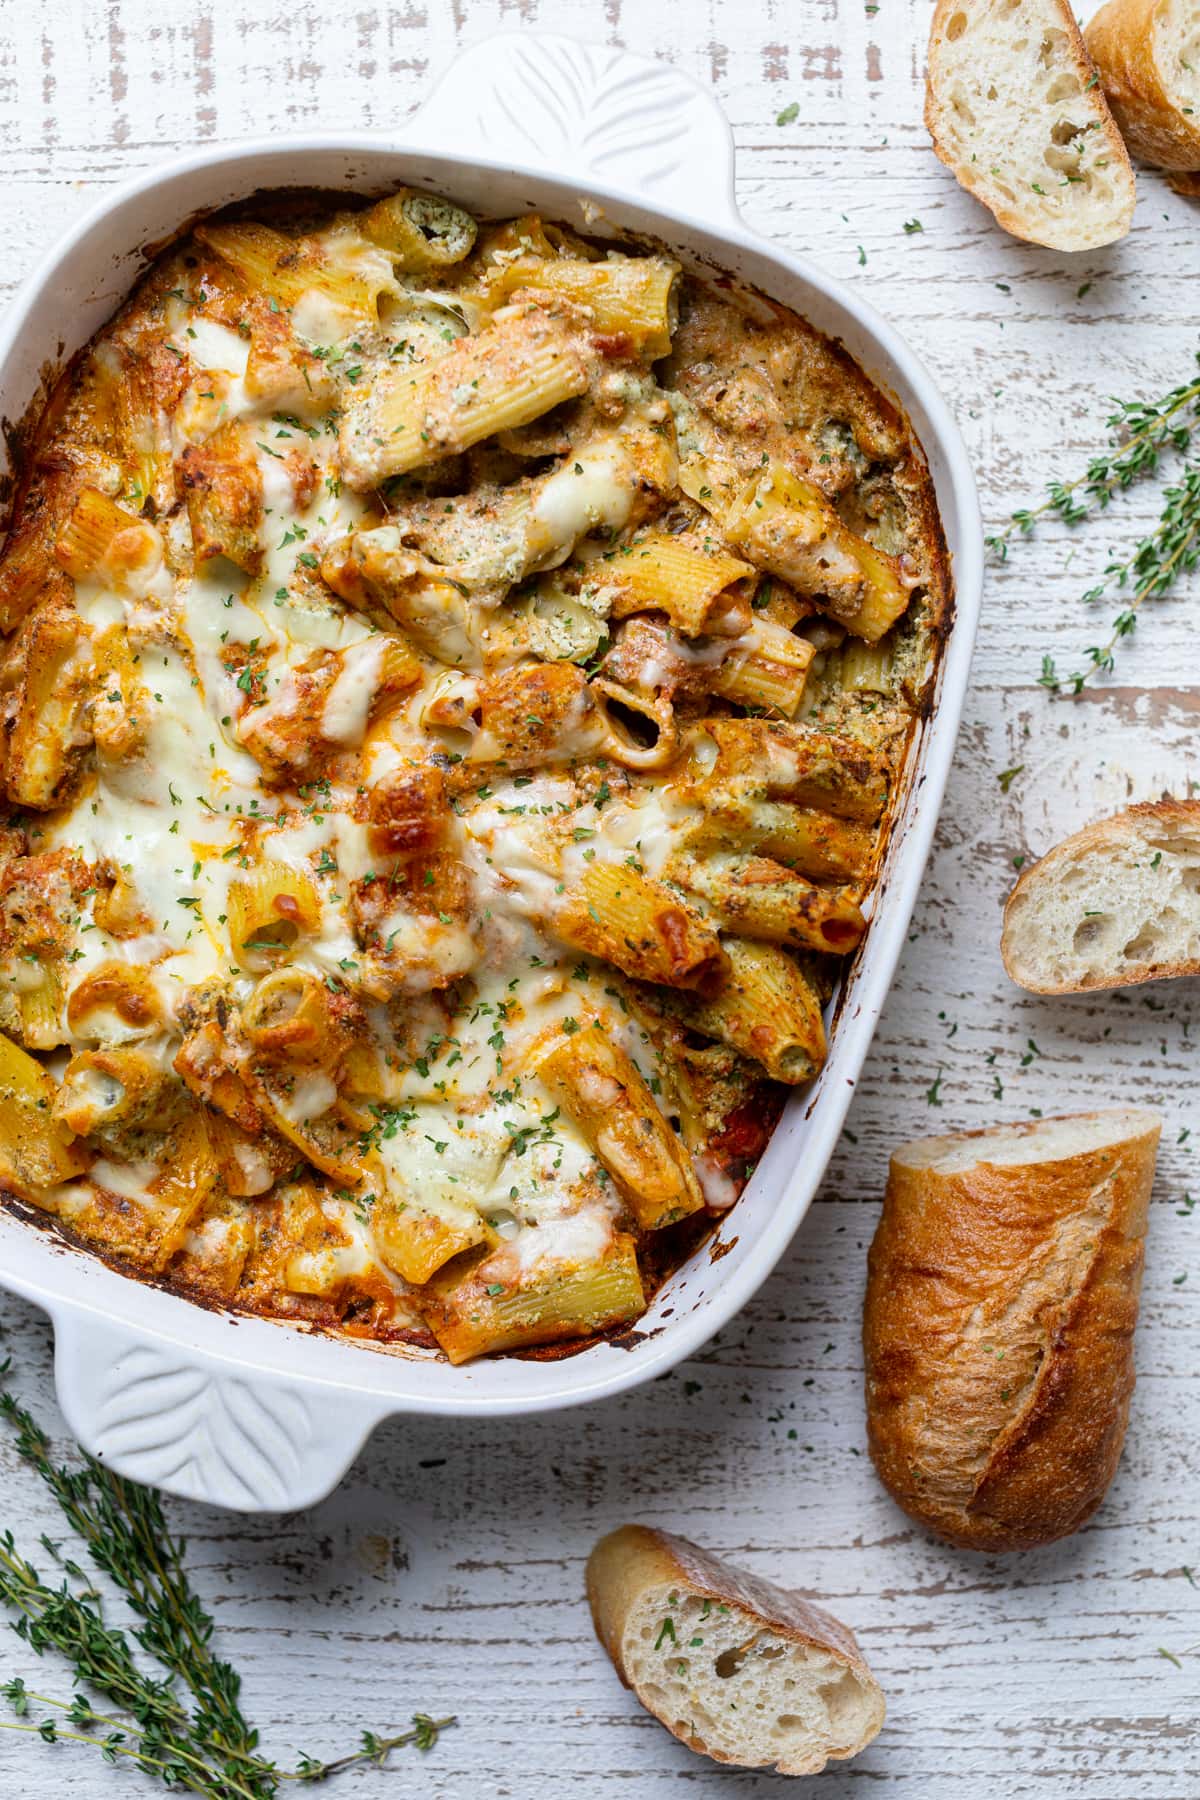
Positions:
(1064, 132)
(956, 27)
(840, 1698)
(1145, 946)
(993, 94)
(769, 1652)
(1052, 42)
(730, 1661)
(1087, 931)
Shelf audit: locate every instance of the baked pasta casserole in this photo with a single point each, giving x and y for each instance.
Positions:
(455, 676)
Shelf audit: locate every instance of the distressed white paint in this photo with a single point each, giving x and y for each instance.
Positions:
(447, 1572)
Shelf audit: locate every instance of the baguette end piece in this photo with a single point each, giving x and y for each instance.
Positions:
(1002, 1299)
(1114, 905)
(1148, 55)
(739, 1670)
(1016, 112)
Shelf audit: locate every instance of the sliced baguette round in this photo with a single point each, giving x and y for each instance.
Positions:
(738, 1669)
(1014, 108)
(1114, 905)
(1148, 55)
(1002, 1296)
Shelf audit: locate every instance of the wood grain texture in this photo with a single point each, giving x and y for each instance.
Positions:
(447, 1573)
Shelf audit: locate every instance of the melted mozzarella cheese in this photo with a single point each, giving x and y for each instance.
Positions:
(592, 490)
(348, 702)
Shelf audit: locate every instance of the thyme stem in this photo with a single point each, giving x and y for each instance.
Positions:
(208, 1747)
(1141, 433)
(110, 1749)
(1137, 454)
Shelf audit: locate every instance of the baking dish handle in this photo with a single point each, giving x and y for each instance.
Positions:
(588, 113)
(203, 1426)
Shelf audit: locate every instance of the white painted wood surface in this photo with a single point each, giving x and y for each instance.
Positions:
(447, 1573)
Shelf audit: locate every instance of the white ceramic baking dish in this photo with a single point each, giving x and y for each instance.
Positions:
(253, 1415)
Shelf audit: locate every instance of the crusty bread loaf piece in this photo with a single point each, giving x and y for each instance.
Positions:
(1015, 110)
(1186, 183)
(740, 1670)
(1148, 55)
(1002, 1296)
(1114, 905)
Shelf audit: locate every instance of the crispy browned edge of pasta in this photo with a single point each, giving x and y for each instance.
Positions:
(660, 1254)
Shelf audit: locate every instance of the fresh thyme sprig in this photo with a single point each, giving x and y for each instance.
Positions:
(203, 1743)
(1141, 434)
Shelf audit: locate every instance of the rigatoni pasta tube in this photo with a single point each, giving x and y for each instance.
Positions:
(286, 268)
(421, 232)
(487, 1307)
(51, 729)
(103, 1088)
(416, 1233)
(288, 1018)
(641, 926)
(36, 1150)
(640, 729)
(179, 1193)
(39, 998)
(791, 762)
(524, 364)
(600, 1087)
(810, 842)
(629, 295)
(312, 1242)
(270, 907)
(534, 713)
(302, 1109)
(697, 589)
(767, 669)
(223, 487)
(858, 668)
(762, 899)
(101, 541)
(768, 1010)
(26, 576)
(787, 526)
(119, 706)
(408, 811)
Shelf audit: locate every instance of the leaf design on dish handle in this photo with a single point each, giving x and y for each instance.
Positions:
(579, 108)
(220, 1439)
